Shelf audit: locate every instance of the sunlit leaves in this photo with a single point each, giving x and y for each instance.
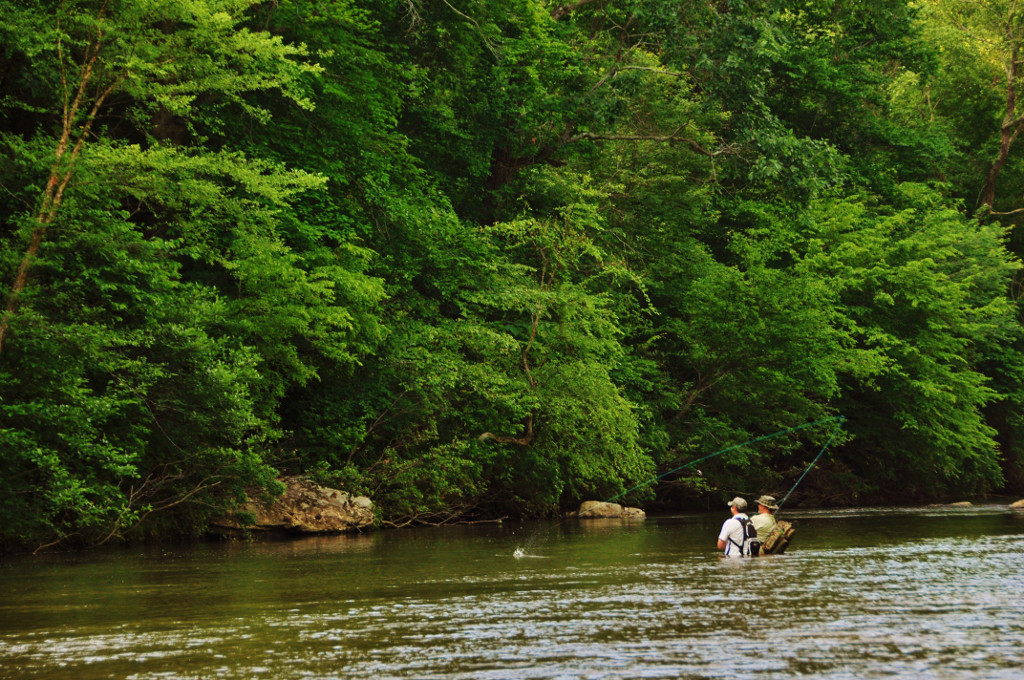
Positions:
(923, 291)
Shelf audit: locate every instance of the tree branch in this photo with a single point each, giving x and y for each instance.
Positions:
(525, 440)
(1010, 212)
(560, 11)
(62, 169)
(659, 71)
(693, 144)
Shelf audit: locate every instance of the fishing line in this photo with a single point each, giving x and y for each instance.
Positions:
(521, 551)
(820, 453)
(740, 446)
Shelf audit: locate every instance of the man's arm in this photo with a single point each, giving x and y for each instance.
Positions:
(723, 535)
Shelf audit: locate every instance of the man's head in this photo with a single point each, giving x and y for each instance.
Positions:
(766, 504)
(738, 505)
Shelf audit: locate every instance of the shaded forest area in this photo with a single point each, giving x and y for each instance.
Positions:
(481, 259)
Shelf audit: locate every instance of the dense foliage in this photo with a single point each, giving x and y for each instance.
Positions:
(479, 259)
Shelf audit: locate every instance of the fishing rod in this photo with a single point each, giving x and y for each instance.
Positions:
(520, 552)
(781, 532)
(820, 453)
(835, 419)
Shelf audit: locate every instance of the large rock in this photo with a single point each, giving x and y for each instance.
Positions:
(1018, 505)
(605, 510)
(303, 508)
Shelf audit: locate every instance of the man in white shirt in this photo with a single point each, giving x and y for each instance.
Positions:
(730, 538)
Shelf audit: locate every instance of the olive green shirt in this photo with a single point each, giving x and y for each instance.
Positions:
(764, 525)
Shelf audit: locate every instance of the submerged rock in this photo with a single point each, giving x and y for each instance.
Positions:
(304, 508)
(605, 510)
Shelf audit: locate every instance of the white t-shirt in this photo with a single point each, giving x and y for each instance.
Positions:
(732, 529)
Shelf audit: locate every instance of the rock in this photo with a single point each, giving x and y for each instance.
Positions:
(1018, 505)
(961, 504)
(633, 513)
(304, 508)
(604, 510)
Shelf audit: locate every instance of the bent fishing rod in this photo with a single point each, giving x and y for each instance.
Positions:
(834, 419)
(820, 454)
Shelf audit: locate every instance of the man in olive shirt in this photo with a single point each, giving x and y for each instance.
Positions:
(764, 520)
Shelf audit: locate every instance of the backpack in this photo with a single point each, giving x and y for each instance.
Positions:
(751, 545)
(778, 540)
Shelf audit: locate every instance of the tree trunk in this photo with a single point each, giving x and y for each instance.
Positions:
(60, 173)
(1007, 132)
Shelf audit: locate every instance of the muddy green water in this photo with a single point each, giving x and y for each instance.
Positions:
(885, 593)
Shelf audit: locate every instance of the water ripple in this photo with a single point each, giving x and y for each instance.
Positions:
(599, 607)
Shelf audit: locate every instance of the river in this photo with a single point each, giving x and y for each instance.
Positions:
(864, 593)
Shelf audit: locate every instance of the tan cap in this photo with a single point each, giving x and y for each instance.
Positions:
(738, 503)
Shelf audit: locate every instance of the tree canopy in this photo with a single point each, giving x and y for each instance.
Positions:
(482, 259)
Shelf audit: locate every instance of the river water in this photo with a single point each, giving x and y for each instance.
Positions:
(882, 593)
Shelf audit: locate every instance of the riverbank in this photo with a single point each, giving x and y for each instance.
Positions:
(294, 517)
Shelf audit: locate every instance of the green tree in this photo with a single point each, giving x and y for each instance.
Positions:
(923, 289)
(969, 105)
(139, 375)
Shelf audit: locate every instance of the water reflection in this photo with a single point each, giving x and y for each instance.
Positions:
(886, 592)
(297, 546)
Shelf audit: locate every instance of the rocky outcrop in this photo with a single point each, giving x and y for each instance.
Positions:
(1017, 505)
(604, 510)
(304, 508)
